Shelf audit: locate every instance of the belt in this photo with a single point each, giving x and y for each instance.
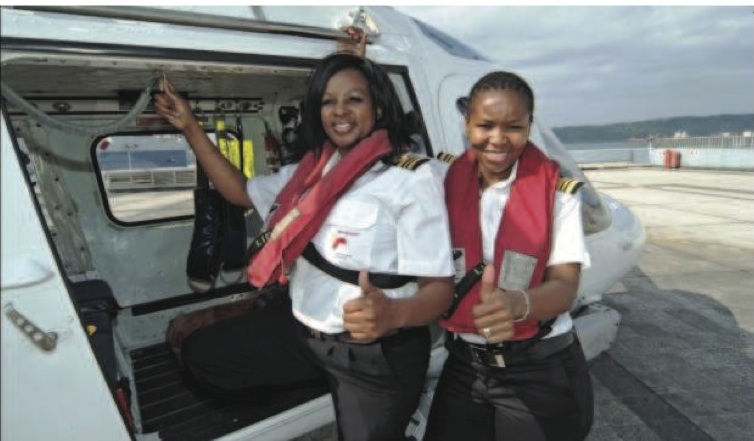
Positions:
(345, 337)
(515, 352)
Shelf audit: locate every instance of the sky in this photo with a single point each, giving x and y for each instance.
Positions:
(593, 65)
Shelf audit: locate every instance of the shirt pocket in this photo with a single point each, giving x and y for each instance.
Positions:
(348, 235)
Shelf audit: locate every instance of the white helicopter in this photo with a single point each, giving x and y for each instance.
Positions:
(97, 207)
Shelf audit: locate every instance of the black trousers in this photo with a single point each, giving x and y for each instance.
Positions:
(375, 387)
(549, 399)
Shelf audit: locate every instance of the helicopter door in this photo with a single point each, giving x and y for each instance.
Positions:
(52, 387)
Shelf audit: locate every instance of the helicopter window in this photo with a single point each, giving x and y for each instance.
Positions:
(413, 117)
(462, 105)
(448, 43)
(146, 176)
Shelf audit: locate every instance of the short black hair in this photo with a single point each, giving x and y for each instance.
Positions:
(503, 80)
(381, 89)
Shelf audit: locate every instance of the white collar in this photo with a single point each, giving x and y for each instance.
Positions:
(506, 182)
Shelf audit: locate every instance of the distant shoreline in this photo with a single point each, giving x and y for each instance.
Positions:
(706, 126)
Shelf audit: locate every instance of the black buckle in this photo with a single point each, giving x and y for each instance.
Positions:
(319, 335)
(487, 356)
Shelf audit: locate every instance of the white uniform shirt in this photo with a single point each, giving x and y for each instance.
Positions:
(568, 236)
(391, 220)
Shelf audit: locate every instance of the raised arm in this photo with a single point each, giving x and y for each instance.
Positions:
(355, 41)
(228, 180)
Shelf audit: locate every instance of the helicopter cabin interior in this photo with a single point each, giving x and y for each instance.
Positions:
(115, 184)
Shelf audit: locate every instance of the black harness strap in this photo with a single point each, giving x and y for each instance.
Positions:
(258, 243)
(380, 280)
(463, 287)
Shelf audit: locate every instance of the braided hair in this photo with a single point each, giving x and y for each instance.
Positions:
(502, 80)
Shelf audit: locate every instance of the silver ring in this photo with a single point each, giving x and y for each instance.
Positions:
(487, 332)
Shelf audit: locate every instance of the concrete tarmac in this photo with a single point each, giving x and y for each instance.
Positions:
(682, 366)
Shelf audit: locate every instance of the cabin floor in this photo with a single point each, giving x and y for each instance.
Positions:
(174, 406)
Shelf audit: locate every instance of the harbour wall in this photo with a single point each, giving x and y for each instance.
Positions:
(727, 153)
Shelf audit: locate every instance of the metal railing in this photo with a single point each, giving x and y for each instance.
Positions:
(717, 152)
(174, 178)
(704, 142)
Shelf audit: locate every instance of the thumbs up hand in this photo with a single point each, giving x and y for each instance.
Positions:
(367, 317)
(488, 288)
(492, 316)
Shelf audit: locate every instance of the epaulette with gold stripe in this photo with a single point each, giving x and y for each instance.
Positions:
(446, 157)
(568, 185)
(411, 162)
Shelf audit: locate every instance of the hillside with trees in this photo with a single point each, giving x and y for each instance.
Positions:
(664, 127)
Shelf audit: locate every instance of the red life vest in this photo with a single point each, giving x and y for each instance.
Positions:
(306, 201)
(526, 225)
